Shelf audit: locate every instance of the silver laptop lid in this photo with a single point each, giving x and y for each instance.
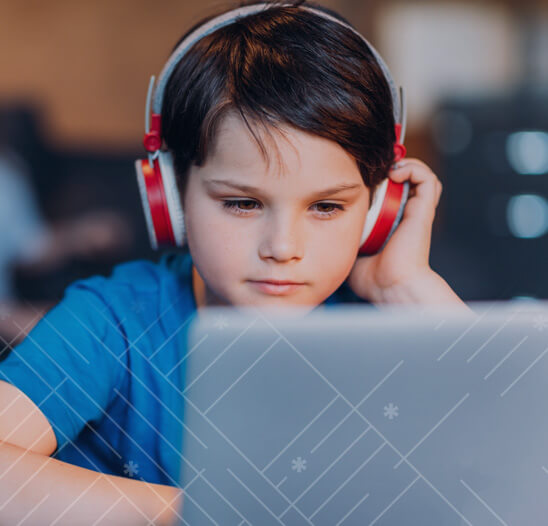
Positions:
(354, 416)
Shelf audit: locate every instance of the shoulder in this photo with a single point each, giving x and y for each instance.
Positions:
(136, 290)
(140, 275)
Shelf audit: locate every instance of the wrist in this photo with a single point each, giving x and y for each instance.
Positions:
(426, 288)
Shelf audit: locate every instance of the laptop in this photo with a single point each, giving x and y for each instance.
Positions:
(353, 415)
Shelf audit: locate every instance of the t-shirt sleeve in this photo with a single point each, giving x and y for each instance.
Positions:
(73, 358)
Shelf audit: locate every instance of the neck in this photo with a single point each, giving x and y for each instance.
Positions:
(198, 288)
(203, 295)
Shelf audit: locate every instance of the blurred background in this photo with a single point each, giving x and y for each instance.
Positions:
(72, 94)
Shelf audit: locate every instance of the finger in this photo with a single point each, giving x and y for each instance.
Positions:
(424, 191)
(427, 185)
(439, 190)
(410, 160)
(406, 164)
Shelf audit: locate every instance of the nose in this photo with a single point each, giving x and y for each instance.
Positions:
(282, 238)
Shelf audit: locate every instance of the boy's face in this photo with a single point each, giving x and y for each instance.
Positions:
(284, 230)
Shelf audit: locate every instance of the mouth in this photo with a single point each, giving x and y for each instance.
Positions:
(277, 288)
(278, 282)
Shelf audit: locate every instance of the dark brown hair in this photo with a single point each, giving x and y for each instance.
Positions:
(281, 66)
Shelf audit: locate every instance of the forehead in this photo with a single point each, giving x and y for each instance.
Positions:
(287, 150)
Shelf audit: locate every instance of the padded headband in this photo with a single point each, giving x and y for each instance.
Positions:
(212, 25)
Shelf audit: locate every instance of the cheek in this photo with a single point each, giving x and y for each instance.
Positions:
(337, 265)
(345, 233)
(205, 221)
(339, 251)
(214, 242)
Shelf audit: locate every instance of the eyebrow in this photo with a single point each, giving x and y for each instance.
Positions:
(342, 187)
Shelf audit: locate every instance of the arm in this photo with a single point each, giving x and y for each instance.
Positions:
(47, 489)
(428, 288)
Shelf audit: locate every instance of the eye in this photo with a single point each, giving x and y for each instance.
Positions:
(234, 205)
(335, 208)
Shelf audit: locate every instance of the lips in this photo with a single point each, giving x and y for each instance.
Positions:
(276, 288)
(278, 282)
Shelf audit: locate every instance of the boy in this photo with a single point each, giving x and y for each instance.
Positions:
(95, 390)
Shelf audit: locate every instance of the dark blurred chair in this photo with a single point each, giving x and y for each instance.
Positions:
(493, 243)
(88, 199)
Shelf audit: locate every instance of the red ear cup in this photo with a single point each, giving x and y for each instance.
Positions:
(155, 205)
(386, 210)
(383, 216)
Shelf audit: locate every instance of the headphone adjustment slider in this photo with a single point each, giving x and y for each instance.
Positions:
(400, 150)
(153, 140)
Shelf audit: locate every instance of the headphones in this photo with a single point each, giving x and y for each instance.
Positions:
(156, 174)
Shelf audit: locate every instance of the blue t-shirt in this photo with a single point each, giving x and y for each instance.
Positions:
(105, 366)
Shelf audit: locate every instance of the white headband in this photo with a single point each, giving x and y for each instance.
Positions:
(398, 100)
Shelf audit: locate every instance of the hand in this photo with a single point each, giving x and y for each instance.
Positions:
(405, 257)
